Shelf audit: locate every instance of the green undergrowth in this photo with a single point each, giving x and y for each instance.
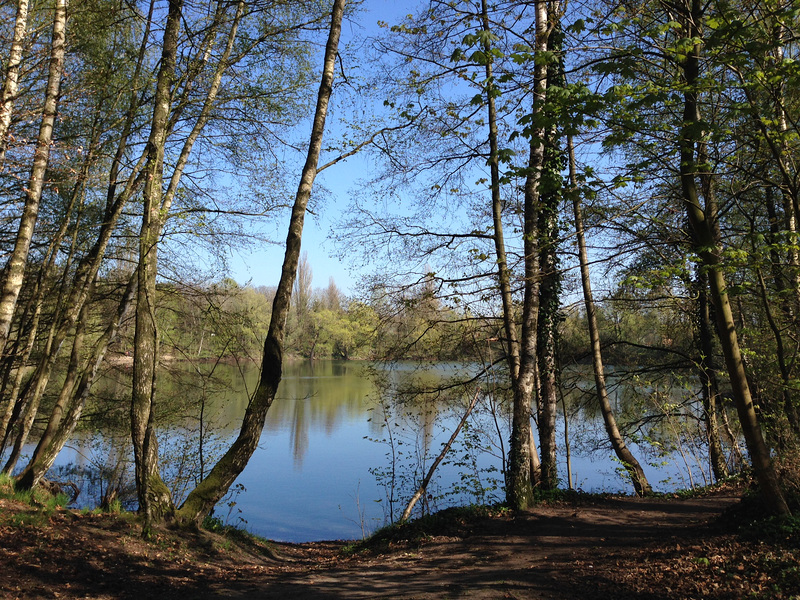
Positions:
(241, 537)
(757, 522)
(450, 522)
(35, 507)
(735, 483)
(40, 504)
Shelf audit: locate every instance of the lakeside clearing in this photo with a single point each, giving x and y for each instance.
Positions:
(589, 546)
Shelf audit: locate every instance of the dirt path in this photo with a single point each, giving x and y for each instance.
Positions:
(547, 553)
(600, 548)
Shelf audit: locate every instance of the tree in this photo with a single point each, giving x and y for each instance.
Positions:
(681, 97)
(10, 84)
(629, 462)
(703, 220)
(14, 272)
(547, 233)
(73, 288)
(301, 332)
(475, 148)
(547, 19)
(202, 499)
(154, 498)
(155, 502)
(201, 98)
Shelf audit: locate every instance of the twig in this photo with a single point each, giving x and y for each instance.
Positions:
(418, 494)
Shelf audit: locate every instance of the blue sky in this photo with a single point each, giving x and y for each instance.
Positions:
(263, 267)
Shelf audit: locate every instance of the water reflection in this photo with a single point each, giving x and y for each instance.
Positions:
(313, 397)
(324, 467)
(317, 397)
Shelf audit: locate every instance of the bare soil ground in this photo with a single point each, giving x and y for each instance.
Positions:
(593, 548)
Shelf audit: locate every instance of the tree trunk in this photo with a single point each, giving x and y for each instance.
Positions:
(10, 84)
(75, 297)
(503, 274)
(204, 497)
(445, 449)
(787, 304)
(708, 379)
(550, 287)
(157, 207)
(155, 503)
(640, 484)
(59, 430)
(519, 490)
(525, 463)
(70, 380)
(519, 481)
(547, 323)
(27, 407)
(15, 268)
(707, 245)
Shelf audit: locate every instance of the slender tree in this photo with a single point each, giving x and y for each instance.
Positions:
(626, 457)
(155, 502)
(11, 82)
(202, 499)
(13, 275)
(73, 395)
(705, 229)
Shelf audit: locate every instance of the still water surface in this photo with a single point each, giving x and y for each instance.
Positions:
(320, 465)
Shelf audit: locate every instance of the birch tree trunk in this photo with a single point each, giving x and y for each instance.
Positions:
(76, 295)
(11, 83)
(202, 499)
(72, 398)
(155, 502)
(25, 406)
(15, 268)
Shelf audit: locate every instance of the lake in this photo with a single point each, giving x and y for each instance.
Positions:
(326, 467)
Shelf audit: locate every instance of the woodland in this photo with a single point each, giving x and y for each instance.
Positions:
(520, 153)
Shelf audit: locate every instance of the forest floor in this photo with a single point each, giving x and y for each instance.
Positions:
(586, 547)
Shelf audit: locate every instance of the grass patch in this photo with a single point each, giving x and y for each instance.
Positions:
(735, 483)
(242, 538)
(28, 519)
(114, 507)
(36, 497)
(563, 496)
(452, 522)
(6, 486)
(40, 504)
